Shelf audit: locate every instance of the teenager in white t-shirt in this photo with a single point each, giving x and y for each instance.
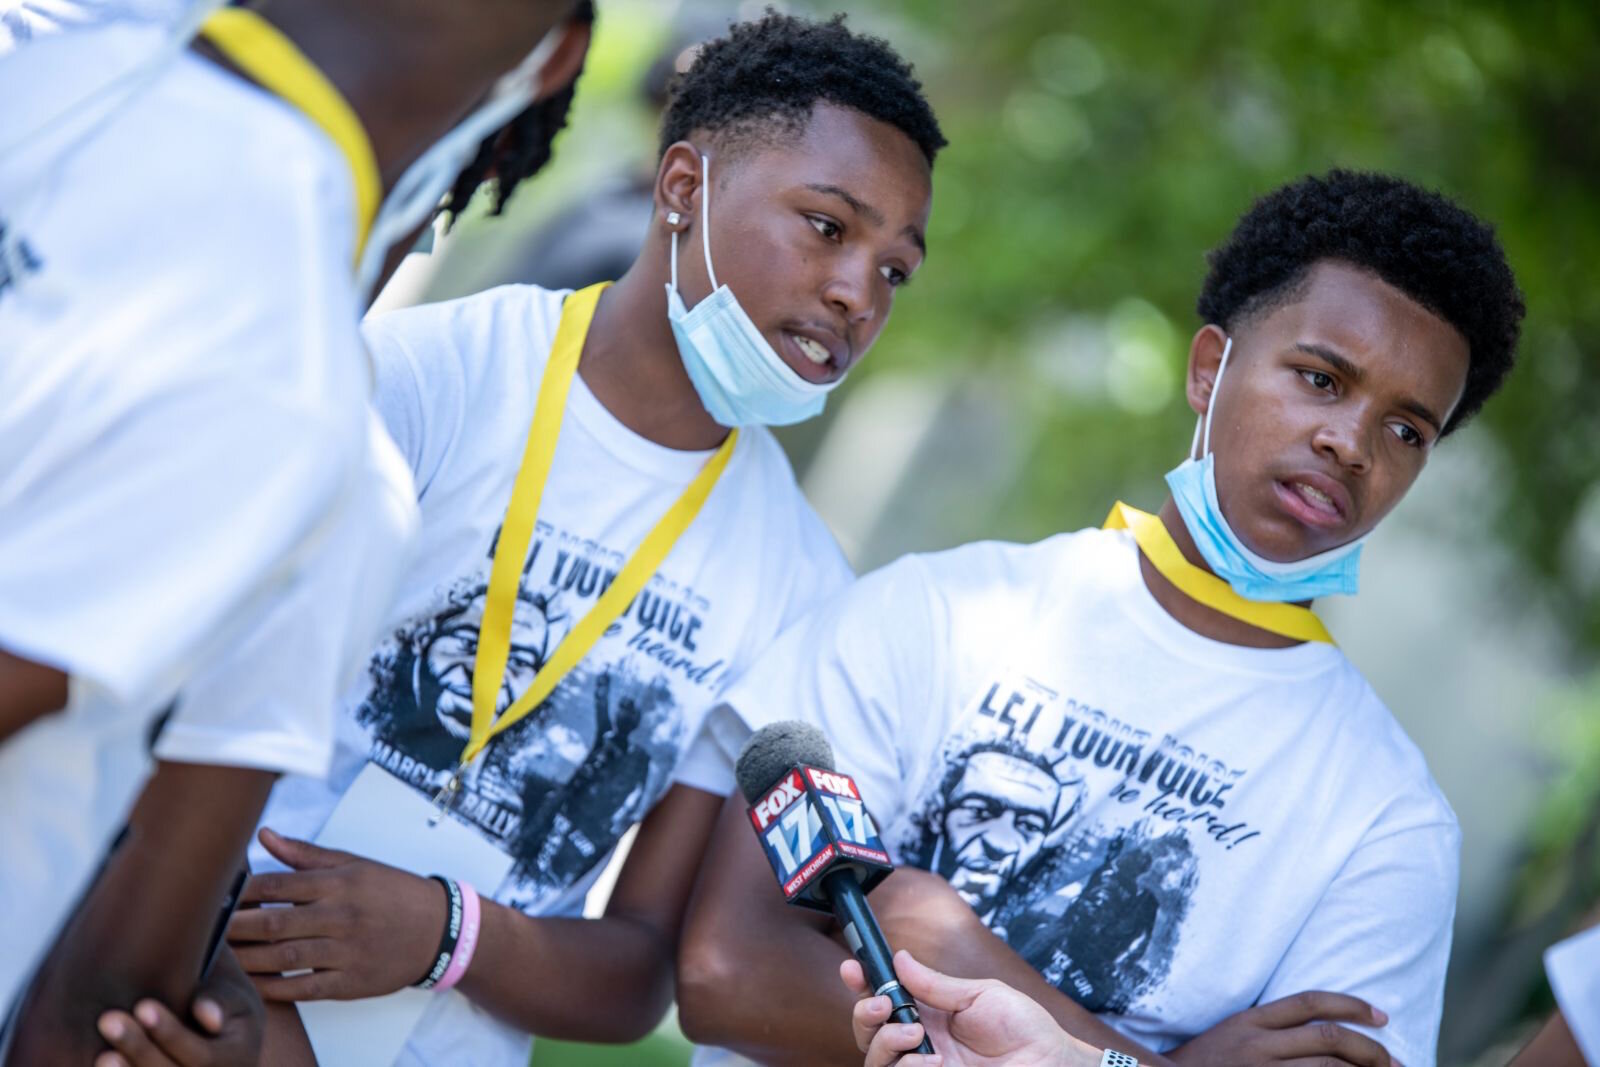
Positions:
(201, 518)
(1146, 797)
(792, 193)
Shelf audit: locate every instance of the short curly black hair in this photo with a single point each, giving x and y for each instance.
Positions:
(764, 77)
(1423, 244)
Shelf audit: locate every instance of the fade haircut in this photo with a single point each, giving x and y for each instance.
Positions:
(761, 81)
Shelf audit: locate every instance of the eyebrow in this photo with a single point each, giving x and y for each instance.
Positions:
(867, 211)
(1355, 374)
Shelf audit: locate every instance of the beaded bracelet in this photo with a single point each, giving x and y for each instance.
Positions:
(448, 938)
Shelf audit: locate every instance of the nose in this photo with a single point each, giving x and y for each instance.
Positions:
(1346, 438)
(850, 294)
(1001, 840)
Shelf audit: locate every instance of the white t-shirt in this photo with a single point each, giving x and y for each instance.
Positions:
(1573, 967)
(1170, 829)
(191, 469)
(457, 384)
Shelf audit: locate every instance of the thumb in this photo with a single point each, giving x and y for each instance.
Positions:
(298, 854)
(932, 988)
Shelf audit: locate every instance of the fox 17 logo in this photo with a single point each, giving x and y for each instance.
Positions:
(812, 821)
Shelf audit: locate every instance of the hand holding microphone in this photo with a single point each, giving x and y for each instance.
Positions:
(822, 845)
(979, 1023)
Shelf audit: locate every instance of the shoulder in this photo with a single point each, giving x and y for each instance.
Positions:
(795, 538)
(1382, 761)
(1025, 576)
(510, 321)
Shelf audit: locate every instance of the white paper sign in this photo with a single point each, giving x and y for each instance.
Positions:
(386, 820)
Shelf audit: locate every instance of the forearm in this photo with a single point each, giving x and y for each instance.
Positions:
(143, 927)
(1552, 1046)
(28, 690)
(575, 979)
(765, 992)
(978, 953)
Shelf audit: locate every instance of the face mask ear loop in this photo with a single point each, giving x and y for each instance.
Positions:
(705, 216)
(1211, 403)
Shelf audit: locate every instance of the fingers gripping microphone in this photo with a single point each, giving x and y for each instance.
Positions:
(822, 844)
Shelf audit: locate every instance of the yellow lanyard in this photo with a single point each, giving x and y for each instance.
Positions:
(516, 533)
(1285, 620)
(258, 49)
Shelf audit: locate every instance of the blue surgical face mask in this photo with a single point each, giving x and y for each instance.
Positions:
(740, 379)
(1194, 490)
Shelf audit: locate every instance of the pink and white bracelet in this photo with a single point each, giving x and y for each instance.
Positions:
(467, 943)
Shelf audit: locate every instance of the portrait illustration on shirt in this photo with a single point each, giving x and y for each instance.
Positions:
(558, 789)
(1096, 909)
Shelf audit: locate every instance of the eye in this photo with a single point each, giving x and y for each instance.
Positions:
(1407, 434)
(826, 226)
(1319, 380)
(894, 276)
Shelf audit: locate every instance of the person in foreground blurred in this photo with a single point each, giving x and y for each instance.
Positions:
(1127, 770)
(200, 517)
(565, 627)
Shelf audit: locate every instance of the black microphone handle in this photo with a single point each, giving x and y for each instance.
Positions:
(862, 934)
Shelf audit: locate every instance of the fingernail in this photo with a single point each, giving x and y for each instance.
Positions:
(111, 1027)
(145, 1012)
(1380, 1017)
(209, 1012)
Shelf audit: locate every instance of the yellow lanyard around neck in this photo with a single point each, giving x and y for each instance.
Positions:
(1150, 534)
(262, 52)
(516, 533)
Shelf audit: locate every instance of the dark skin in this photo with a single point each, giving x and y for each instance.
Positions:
(104, 962)
(1552, 1046)
(768, 206)
(1326, 390)
(801, 257)
(410, 75)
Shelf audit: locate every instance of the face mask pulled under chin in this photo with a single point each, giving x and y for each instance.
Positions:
(738, 376)
(416, 196)
(1194, 489)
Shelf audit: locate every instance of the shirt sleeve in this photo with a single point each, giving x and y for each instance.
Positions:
(1382, 933)
(853, 667)
(268, 699)
(1573, 966)
(420, 388)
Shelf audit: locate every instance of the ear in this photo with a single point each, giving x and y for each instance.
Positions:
(1205, 357)
(678, 180)
(566, 62)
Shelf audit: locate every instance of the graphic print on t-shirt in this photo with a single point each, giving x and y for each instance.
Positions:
(1075, 836)
(558, 789)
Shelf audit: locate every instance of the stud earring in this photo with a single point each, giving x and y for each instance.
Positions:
(673, 218)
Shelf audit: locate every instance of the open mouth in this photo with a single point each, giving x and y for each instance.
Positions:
(1314, 505)
(812, 359)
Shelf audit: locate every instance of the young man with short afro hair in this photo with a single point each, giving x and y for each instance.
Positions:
(801, 203)
(1255, 865)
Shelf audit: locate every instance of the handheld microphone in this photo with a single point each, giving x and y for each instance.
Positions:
(822, 844)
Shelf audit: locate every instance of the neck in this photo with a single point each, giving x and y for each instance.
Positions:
(409, 76)
(1203, 620)
(631, 363)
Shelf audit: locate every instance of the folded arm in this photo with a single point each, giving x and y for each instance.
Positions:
(143, 928)
(365, 929)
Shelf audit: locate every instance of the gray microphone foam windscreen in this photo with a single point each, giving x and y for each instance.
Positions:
(773, 749)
